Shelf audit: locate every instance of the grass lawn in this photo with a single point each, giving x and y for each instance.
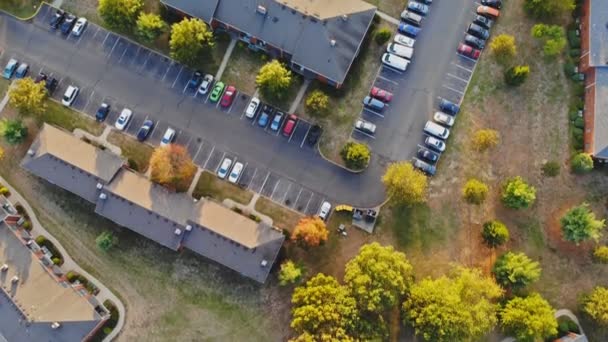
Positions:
(390, 7)
(20, 8)
(282, 217)
(243, 68)
(4, 84)
(61, 116)
(210, 186)
(137, 154)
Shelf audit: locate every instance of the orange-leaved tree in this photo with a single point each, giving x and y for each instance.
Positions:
(310, 232)
(172, 167)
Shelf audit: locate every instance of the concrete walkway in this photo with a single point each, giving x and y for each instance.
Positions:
(388, 18)
(101, 140)
(220, 71)
(195, 181)
(299, 96)
(69, 263)
(4, 101)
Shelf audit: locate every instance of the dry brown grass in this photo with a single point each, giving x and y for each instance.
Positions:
(282, 217)
(210, 186)
(137, 154)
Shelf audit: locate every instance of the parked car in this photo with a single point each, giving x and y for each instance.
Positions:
(167, 137)
(252, 108)
(123, 119)
(57, 19)
(263, 119)
(205, 84)
(444, 119)
(395, 62)
(79, 27)
(412, 18)
(313, 135)
(51, 85)
(228, 97)
(448, 107)
(10, 68)
(276, 121)
(22, 70)
(435, 144)
(403, 40)
(409, 30)
(217, 91)
(417, 7)
(492, 3)
(478, 31)
(372, 103)
(427, 155)
(381, 94)
(70, 95)
(102, 112)
(483, 21)
(40, 77)
(436, 130)
(290, 124)
(425, 167)
(365, 126)
(195, 80)
(489, 12)
(324, 210)
(145, 129)
(474, 42)
(235, 174)
(224, 167)
(68, 23)
(468, 51)
(400, 50)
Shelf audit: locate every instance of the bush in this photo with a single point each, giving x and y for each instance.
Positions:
(517, 194)
(484, 139)
(317, 102)
(579, 123)
(5, 191)
(237, 210)
(475, 191)
(355, 155)
(71, 276)
(551, 169)
(600, 254)
(566, 325)
(582, 163)
(382, 36)
(569, 68)
(13, 130)
(40, 240)
(503, 47)
(573, 39)
(575, 53)
(57, 261)
(517, 75)
(495, 233)
(105, 241)
(132, 164)
(27, 225)
(107, 330)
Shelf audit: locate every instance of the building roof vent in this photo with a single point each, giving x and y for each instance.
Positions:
(14, 279)
(103, 196)
(4, 267)
(188, 228)
(344, 17)
(31, 152)
(55, 325)
(99, 186)
(261, 10)
(177, 231)
(264, 263)
(332, 42)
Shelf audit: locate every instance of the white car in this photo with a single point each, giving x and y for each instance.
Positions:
(395, 62)
(205, 85)
(235, 174)
(324, 210)
(444, 119)
(365, 126)
(167, 137)
(435, 144)
(252, 108)
(404, 40)
(224, 168)
(400, 50)
(69, 96)
(79, 27)
(123, 119)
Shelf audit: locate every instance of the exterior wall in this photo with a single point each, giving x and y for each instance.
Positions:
(589, 112)
(585, 24)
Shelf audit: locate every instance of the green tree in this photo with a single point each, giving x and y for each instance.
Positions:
(324, 310)
(475, 191)
(27, 96)
(484, 139)
(190, 40)
(317, 102)
(149, 26)
(516, 75)
(382, 35)
(517, 194)
(461, 307)
(582, 163)
(503, 47)
(273, 79)
(405, 184)
(105, 241)
(579, 224)
(595, 304)
(13, 130)
(548, 8)
(120, 15)
(355, 155)
(516, 270)
(495, 233)
(600, 254)
(553, 37)
(529, 318)
(378, 277)
(290, 273)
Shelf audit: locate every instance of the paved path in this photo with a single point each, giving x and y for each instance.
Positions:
(195, 181)
(298, 99)
(569, 314)
(249, 208)
(69, 263)
(4, 100)
(226, 58)
(388, 18)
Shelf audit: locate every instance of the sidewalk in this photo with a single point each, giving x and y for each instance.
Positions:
(388, 18)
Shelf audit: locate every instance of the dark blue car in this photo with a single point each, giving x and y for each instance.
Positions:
(448, 107)
(145, 130)
(409, 30)
(102, 112)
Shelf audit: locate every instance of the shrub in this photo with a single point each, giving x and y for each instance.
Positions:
(382, 36)
(580, 224)
(132, 164)
(4, 191)
(237, 210)
(105, 241)
(517, 75)
(566, 325)
(40, 240)
(517, 194)
(495, 233)
(317, 102)
(57, 261)
(550, 169)
(552, 36)
(503, 47)
(107, 330)
(579, 123)
(13, 130)
(71, 276)
(575, 53)
(582, 163)
(27, 225)
(569, 68)
(573, 39)
(290, 273)
(484, 139)
(595, 305)
(474, 191)
(355, 155)
(600, 254)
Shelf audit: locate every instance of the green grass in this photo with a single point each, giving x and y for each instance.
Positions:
(20, 8)
(210, 186)
(138, 154)
(243, 68)
(68, 119)
(390, 7)
(282, 217)
(4, 84)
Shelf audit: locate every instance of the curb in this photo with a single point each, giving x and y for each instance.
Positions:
(339, 165)
(42, 3)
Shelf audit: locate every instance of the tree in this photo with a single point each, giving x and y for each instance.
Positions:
(516, 75)
(355, 155)
(484, 139)
(517, 194)
(503, 47)
(516, 270)
(548, 8)
(149, 26)
(579, 224)
(461, 307)
(172, 167)
(600, 254)
(323, 310)
(495, 233)
(27, 96)
(190, 39)
(13, 130)
(405, 184)
(595, 304)
(310, 232)
(378, 277)
(120, 14)
(553, 37)
(382, 35)
(474, 191)
(290, 273)
(529, 318)
(273, 79)
(582, 163)
(317, 102)
(105, 241)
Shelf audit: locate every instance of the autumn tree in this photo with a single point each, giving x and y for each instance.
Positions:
(484, 139)
(290, 273)
(27, 96)
(13, 130)
(105, 241)
(503, 47)
(273, 79)
(600, 254)
(317, 102)
(517, 194)
(455, 308)
(172, 167)
(324, 310)
(595, 304)
(310, 232)
(516, 270)
(120, 15)
(190, 40)
(355, 155)
(149, 26)
(529, 318)
(582, 163)
(579, 224)
(548, 8)
(495, 233)
(405, 184)
(475, 191)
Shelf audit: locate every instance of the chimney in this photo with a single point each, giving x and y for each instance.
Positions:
(4, 268)
(264, 263)
(55, 325)
(177, 231)
(332, 42)
(188, 228)
(14, 279)
(99, 186)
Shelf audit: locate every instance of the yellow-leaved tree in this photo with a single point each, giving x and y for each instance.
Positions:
(27, 96)
(310, 232)
(172, 167)
(405, 184)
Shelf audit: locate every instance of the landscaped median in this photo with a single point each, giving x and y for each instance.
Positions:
(137, 154)
(22, 9)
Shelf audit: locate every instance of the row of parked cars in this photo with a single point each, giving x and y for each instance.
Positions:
(68, 23)
(478, 31)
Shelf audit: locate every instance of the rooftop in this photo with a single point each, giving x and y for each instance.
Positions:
(598, 33)
(325, 9)
(600, 125)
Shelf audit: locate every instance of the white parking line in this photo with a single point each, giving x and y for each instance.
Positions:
(252, 178)
(197, 151)
(123, 54)
(294, 131)
(210, 154)
(167, 71)
(96, 32)
(146, 62)
(308, 203)
(185, 88)
(177, 78)
(387, 80)
(452, 89)
(466, 57)
(39, 72)
(373, 112)
(298, 197)
(463, 68)
(88, 102)
(274, 189)
(286, 192)
(104, 40)
(458, 78)
(306, 135)
(221, 161)
(265, 180)
(361, 132)
(113, 47)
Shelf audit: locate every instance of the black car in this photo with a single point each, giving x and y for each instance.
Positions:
(483, 21)
(57, 19)
(478, 31)
(196, 80)
(51, 85)
(492, 3)
(40, 78)
(428, 156)
(473, 41)
(448, 107)
(68, 23)
(102, 112)
(313, 135)
(144, 130)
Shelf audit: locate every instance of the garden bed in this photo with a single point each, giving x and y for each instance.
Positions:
(74, 277)
(57, 258)
(282, 217)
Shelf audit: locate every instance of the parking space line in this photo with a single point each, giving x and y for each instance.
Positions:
(387, 80)
(177, 78)
(210, 154)
(185, 88)
(286, 192)
(123, 54)
(88, 102)
(221, 162)
(197, 151)
(146, 61)
(308, 203)
(167, 71)
(373, 112)
(391, 69)
(265, 180)
(274, 189)
(458, 78)
(232, 105)
(452, 89)
(469, 58)
(361, 132)
(294, 131)
(113, 47)
(252, 178)
(305, 135)
(461, 67)
(104, 40)
(298, 197)
(39, 72)
(96, 32)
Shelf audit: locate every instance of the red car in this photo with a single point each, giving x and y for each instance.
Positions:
(381, 94)
(468, 51)
(228, 96)
(289, 125)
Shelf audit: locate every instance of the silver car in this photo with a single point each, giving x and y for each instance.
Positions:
(444, 119)
(365, 126)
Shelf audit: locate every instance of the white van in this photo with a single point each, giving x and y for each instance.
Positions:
(436, 130)
(400, 50)
(395, 62)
